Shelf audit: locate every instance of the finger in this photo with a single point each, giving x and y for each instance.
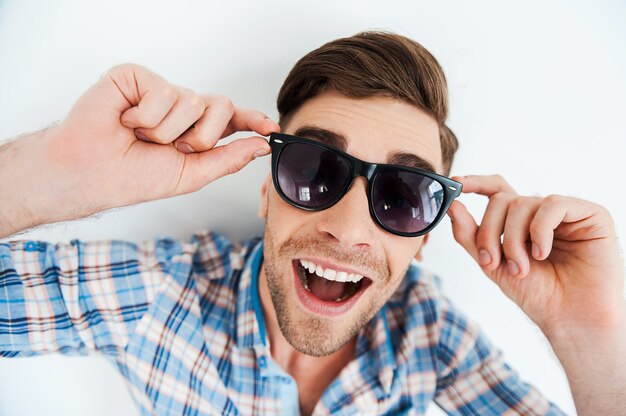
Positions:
(555, 210)
(252, 120)
(185, 112)
(152, 108)
(210, 126)
(516, 234)
(487, 185)
(205, 167)
(221, 119)
(464, 228)
(491, 228)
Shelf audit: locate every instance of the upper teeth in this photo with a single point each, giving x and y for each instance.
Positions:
(330, 274)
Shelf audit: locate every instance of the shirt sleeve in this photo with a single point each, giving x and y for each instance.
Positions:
(83, 296)
(474, 379)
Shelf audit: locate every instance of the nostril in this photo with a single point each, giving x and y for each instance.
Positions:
(329, 235)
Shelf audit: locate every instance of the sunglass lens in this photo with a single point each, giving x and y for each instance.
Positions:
(406, 201)
(311, 176)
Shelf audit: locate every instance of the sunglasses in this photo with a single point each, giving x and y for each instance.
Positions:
(402, 200)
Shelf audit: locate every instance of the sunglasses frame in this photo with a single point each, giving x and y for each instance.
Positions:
(358, 167)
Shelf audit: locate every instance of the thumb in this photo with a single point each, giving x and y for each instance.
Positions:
(204, 167)
(464, 228)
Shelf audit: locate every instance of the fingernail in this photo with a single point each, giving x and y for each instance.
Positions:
(513, 268)
(140, 136)
(261, 152)
(536, 251)
(271, 120)
(184, 147)
(484, 258)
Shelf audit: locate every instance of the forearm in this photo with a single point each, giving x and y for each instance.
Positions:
(34, 189)
(18, 183)
(594, 360)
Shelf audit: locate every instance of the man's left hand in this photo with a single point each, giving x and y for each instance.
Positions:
(557, 257)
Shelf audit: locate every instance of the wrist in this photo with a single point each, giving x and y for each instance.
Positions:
(594, 359)
(70, 191)
(592, 350)
(610, 322)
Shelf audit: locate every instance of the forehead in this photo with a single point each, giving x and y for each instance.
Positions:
(374, 127)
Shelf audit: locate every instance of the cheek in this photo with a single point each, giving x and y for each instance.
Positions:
(400, 252)
(384, 293)
(284, 219)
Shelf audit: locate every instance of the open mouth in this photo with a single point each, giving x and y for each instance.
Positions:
(328, 291)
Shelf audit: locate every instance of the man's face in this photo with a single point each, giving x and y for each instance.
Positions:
(316, 315)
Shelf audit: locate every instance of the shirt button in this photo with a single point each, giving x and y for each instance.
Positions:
(31, 246)
(262, 362)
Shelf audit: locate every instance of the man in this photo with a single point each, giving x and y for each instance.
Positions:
(327, 314)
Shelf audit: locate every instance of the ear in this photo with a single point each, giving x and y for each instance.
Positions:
(418, 256)
(263, 206)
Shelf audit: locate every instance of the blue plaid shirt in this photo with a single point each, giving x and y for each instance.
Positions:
(183, 323)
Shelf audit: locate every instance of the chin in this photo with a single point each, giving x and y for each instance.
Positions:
(318, 334)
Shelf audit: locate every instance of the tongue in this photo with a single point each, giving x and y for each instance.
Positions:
(325, 289)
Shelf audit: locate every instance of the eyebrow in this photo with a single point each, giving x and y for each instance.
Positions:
(339, 141)
(325, 136)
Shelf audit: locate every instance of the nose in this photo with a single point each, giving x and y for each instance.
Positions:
(348, 222)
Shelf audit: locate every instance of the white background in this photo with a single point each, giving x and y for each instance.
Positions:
(538, 94)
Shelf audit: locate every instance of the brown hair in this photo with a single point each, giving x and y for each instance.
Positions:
(370, 64)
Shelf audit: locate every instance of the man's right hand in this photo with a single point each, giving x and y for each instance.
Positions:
(179, 129)
(132, 137)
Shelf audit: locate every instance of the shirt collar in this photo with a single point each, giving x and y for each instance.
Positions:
(374, 350)
(250, 322)
(374, 344)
